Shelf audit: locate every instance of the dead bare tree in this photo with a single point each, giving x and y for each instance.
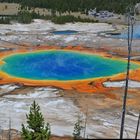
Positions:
(9, 131)
(137, 129)
(85, 125)
(130, 17)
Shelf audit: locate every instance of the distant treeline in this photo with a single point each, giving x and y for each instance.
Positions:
(118, 6)
(25, 17)
(5, 20)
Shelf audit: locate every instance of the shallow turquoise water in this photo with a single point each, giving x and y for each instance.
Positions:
(124, 35)
(62, 65)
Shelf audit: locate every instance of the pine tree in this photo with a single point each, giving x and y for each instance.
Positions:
(36, 129)
(77, 129)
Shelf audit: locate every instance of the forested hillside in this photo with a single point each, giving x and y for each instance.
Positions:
(117, 6)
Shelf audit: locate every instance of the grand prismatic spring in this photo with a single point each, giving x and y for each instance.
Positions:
(61, 65)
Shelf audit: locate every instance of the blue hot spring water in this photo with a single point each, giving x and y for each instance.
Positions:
(124, 35)
(61, 65)
(65, 32)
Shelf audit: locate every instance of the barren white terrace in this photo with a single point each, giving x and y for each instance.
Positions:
(61, 113)
(38, 32)
(132, 84)
(55, 109)
(42, 25)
